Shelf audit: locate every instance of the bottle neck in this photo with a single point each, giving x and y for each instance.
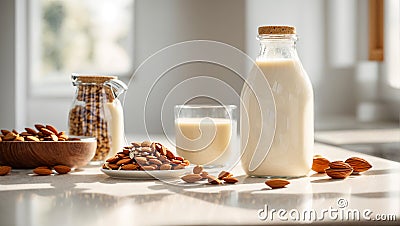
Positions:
(277, 47)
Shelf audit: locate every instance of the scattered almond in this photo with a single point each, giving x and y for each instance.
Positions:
(204, 174)
(191, 178)
(358, 164)
(320, 164)
(4, 170)
(277, 183)
(339, 170)
(338, 173)
(339, 165)
(61, 169)
(224, 174)
(230, 180)
(198, 169)
(42, 171)
(213, 180)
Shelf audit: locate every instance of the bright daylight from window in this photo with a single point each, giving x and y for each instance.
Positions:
(86, 36)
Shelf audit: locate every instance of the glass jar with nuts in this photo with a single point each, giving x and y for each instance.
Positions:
(97, 112)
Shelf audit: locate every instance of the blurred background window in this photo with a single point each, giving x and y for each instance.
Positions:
(86, 36)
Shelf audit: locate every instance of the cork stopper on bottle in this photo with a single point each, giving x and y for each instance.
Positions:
(98, 79)
(278, 30)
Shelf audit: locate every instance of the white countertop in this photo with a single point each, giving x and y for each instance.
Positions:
(89, 197)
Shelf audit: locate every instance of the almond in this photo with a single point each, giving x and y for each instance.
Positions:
(46, 131)
(338, 173)
(146, 149)
(185, 162)
(148, 168)
(129, 167)
(135, 144)
(358, 164)
(4, 170)
(180, 166)
(145, 143)
(179, 158)
(177, 162)
(24, 134)
(198, 169)
(112, 166)
(31, 131)
(230, 180)
(213, 180)
(4, 131)
(19, 138)
(113, 159)
(123, 161)
(163, 151)
(141, 160)
(165, 167)
(277, 183)
(152, 147)
(52, 129)
(39, 126)
(155, 161)
(339, 165)
(204, 175)
(191, 178)
(54, 137)
(61, 169)
(320, 164)
(9, 136)
(224, 174)
(31, 138)
(169, 154)
(42, 171)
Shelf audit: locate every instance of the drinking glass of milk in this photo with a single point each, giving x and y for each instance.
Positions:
(207, 134)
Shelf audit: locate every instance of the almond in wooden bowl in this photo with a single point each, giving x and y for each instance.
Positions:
(31, 154)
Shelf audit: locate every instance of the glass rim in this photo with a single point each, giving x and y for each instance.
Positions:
(205, 106)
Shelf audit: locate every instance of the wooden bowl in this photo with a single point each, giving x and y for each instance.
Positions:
(31, 154)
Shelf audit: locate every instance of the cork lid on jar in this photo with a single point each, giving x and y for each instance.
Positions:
(98, 79)
(278, 30)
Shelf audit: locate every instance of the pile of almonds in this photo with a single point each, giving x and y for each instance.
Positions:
(42, 133)
(145, 155)
(340, 169)
(199, 174)
(46, 170)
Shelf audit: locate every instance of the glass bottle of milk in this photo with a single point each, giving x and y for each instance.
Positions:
(277, 112)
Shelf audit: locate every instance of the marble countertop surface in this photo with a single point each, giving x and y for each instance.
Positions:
(89, 197)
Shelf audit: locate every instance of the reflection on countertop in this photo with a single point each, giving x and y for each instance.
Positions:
(88, 197)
